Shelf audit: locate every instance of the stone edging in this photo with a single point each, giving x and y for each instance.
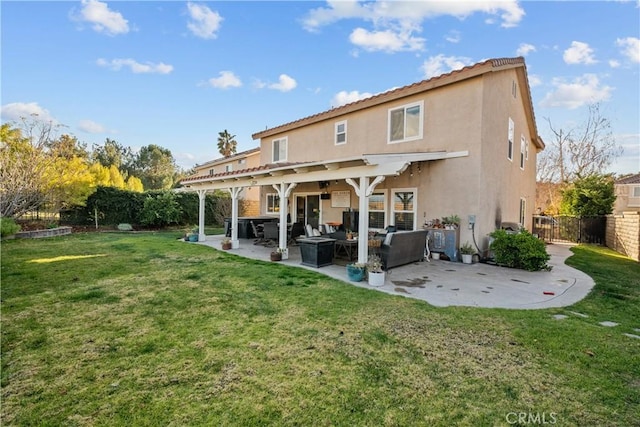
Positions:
(34, 234)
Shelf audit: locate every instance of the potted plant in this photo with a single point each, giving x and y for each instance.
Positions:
(355, 271)
(467, 251)
(374, 271)
(276, 255)
(451, 222)
(349, 234)
(226, 243)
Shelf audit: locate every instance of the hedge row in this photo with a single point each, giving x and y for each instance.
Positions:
(152, 208)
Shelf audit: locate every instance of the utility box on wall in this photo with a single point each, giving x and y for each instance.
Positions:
(444, 241)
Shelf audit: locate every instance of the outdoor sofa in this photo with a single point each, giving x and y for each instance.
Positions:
(403, 247)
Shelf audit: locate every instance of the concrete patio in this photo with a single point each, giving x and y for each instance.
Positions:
(445, 283)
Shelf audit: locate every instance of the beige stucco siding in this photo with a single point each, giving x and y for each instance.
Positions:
(450, 117)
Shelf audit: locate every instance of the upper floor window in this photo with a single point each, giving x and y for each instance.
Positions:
(405, 123)
(228, 168)
(211, 171)
(242, 161)
(523, 147)
(341, 133)
(510, 144)
(279, 150)
(634, 196)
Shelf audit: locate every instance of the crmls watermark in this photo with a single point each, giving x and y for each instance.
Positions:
(536, 418)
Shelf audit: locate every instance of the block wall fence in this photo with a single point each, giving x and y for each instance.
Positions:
(623, 234)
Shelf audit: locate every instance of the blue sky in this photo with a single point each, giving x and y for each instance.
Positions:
(176, 73)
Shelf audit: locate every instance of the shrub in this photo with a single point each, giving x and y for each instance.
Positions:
(8, 227)
(161, 210)
(519, 250)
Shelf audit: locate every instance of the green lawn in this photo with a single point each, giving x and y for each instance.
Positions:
(143, 329)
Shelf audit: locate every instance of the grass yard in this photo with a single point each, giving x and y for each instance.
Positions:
(145, 330)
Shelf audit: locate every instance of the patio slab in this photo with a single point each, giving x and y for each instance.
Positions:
(445, 283)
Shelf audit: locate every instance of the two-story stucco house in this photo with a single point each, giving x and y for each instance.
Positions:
(627, 194)
(463, 143)
(228, 165)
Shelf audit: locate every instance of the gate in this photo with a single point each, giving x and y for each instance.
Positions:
(570, 229)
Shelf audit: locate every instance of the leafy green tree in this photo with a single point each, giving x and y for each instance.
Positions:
(589, 196)
(68, 147)
(113, 154)
(155, 167)
(227, 144)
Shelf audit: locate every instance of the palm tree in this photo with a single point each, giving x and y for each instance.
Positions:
(227, 144)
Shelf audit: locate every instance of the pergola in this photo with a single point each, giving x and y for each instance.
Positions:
(362, 173)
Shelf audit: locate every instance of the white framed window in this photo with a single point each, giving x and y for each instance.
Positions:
(228, 168)
(279, 150)
(341, 133)
(405, 123)
(523, 210)
(404, 208)
(523, 147)
(242, 161)
(526, 151)
(273, 203)
(634, 196)
(510, 140)
(636, 191)
(212, 171)
(378, 210)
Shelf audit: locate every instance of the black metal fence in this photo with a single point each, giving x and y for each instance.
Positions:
(571, 229)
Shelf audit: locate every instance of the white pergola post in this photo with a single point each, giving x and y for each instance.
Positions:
(284, 190)
(235, 193)
(364, 189)
(201, 197)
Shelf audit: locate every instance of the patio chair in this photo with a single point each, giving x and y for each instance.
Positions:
(257, 233)
(271, 233)
(297, 230)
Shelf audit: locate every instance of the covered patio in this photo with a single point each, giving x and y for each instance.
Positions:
(445, 283)
(362, 173)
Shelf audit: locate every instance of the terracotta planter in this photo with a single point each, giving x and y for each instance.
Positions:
(226, 246)
(276, 256)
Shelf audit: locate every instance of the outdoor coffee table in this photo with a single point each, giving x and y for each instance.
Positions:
(347, 249)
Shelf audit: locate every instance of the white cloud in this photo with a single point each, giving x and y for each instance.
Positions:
(581, 91)
(285, 84)
(387, 40)
(579, 53)
(410, 13)
(630, 48)
(90, 126)
(226, 80)
(440, 64)
(102, 19)
(454, 36)
(15, 111)
(204, 22)
(344, 97)
(614, 63)
(524, 49)
(134, 66)
(534, 80)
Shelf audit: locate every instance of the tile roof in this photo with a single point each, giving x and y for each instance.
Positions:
(231, 157)
(633, 179)
(421, 86)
